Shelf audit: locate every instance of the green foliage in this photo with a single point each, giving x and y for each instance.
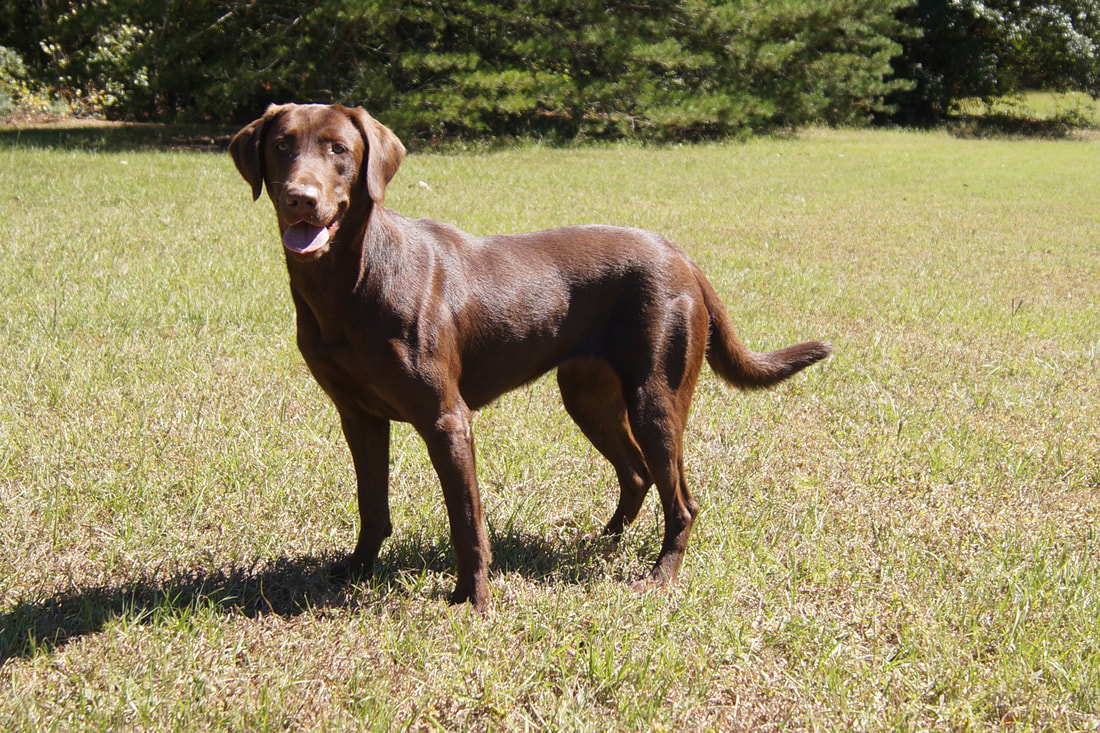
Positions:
(82, 53)
(1055, 46)
(971, 48)
(803, 62)
(18, 93)
(666, 70)
(12, 79)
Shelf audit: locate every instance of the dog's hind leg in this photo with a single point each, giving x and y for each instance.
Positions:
(657, 393)
(657, 421)
(593, 396)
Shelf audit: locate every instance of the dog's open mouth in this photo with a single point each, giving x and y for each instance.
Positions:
(304, 238)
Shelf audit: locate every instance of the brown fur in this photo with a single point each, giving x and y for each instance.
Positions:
(414, 320)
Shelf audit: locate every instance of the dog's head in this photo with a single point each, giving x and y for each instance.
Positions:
(319, 163)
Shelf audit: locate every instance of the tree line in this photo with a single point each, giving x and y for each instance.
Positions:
(557, 69)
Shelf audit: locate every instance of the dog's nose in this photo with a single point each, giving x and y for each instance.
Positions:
(302, 198)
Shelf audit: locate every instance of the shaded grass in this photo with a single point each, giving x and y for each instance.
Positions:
(903, 537)
(1028, 114)
(103, 136)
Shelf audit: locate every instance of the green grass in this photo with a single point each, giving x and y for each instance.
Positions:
(1040, 105)
(1033, 113)
(905, 537)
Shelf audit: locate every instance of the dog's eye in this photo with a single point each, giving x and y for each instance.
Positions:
(338, 149)
(282, 146)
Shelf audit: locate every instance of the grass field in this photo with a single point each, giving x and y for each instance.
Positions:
(905, 537)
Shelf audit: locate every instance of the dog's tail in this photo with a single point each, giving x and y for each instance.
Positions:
(742, 367)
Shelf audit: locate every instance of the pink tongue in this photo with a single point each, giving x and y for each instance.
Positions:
(304, 238)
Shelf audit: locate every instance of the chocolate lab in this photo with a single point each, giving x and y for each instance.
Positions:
(415, 320)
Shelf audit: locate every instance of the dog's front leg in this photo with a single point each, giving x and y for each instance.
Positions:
(369, 440)
(450, 444)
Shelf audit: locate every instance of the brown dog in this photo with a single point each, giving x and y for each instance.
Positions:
(414, 320)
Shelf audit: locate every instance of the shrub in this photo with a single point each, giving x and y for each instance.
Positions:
(665, 69)
(989, 48)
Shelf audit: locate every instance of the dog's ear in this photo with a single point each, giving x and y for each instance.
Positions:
(246, 147)
(384, 153)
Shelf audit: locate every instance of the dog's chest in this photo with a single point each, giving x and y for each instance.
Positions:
(351, 359)
(347, 375)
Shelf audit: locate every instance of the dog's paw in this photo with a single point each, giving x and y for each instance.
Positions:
(471, 594)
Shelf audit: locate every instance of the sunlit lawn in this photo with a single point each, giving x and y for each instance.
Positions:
(903, 537)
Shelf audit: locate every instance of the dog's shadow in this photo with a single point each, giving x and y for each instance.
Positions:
(286, 587)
